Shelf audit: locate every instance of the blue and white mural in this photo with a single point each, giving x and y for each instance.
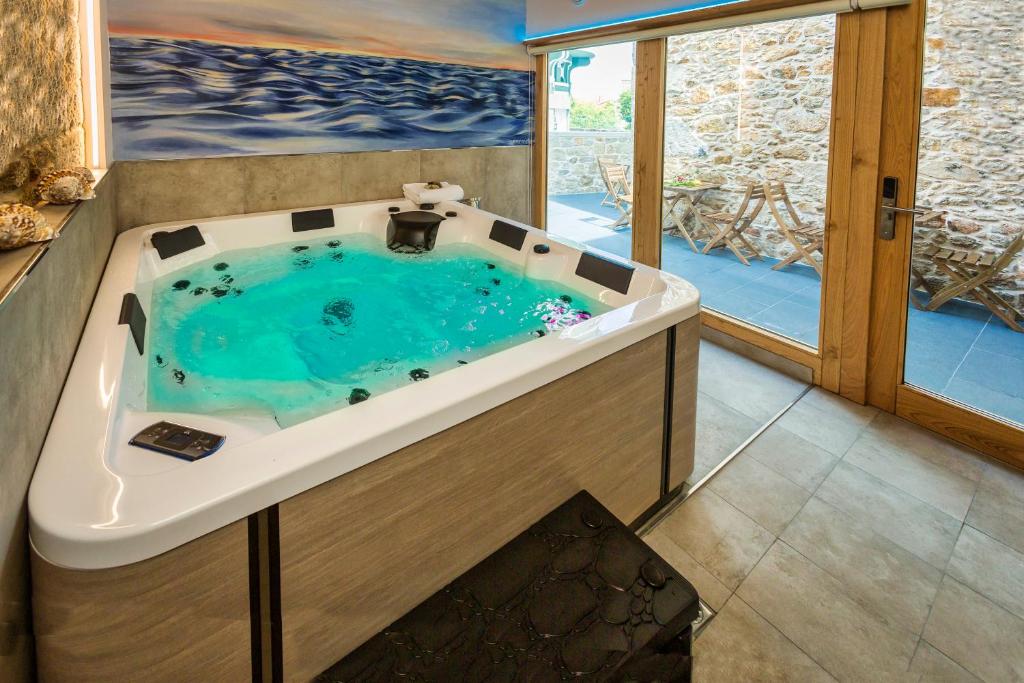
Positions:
(199, 78)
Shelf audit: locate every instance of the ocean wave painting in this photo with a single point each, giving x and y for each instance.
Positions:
(184, 98)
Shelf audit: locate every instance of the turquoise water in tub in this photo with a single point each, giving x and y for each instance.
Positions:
(300, 329)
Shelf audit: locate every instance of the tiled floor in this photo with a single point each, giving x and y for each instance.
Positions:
(735, 397)
(961, 351)
(846, 544)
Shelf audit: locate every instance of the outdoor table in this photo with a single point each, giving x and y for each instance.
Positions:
(689, 196)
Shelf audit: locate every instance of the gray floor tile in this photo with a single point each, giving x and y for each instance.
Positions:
(711, 590)
(753, 389)
(880, 575)
(976, 633)
(834, 404)
(998, 507)
(911, 438)
(718, 536)
(990, 568)
(739, 645)
(798, 460)
(766, 497)
(1003, 479)
(916, 526)
(720, 431)
(912, 472)
(811, 608)
(935, 667)
(814, 421)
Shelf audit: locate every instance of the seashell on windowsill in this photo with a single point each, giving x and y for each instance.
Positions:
(64, 187)
(21, 225)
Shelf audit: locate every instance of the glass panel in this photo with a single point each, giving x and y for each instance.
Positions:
(746, 167)
(965, 329)
(590, 146)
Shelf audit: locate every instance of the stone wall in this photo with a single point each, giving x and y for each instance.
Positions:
(572, 158)
(751, 104)
(40, 92)
(971, 161)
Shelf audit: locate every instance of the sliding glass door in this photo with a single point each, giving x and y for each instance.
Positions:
(965, 326)
(590, 146)
(947, 342)
(747, 123)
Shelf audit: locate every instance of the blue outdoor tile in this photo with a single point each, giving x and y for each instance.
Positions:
(590, 203)
(738, 274)
(965, 309)
(791, 320)
(794, 281)
(986, 399)
(999, 338)
(703, 281)
(674, 259)
(809, 296)
(927, 366)
(956, 332)
(729, 304)
(620, 244)
(763, 290)
(994, 371)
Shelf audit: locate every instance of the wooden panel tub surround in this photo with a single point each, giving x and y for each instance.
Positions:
(181, 616)
(291, 589)
(684, 410)
(363, 549)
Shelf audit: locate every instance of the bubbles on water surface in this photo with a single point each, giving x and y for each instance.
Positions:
(296, 348)
(338, 312)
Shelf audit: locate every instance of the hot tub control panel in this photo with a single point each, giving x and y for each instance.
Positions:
(177, 440)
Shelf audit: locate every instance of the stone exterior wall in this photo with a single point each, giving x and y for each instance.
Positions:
(40, 92)
(572, 158)
(751, 104)
(971, 161)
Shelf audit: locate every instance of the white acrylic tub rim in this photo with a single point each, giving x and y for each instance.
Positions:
(96, 502)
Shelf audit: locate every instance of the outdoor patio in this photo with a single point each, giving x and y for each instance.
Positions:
(961, 351)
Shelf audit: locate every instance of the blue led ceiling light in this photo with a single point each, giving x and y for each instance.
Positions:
(634, 17)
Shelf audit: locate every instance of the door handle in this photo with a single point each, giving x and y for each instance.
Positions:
(917, 210)
(888, 210)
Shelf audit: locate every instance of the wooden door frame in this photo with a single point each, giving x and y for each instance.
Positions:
(884, 383)
(539, 168)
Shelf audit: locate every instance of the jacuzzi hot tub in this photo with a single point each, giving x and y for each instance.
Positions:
(477, 451)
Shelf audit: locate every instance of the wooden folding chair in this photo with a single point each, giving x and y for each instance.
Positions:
(603, 162)
(730, 226)
(621, 192)
(936, 217)
(806, 238)
(970, 272)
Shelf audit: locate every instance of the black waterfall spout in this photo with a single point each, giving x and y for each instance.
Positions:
(413, 231)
